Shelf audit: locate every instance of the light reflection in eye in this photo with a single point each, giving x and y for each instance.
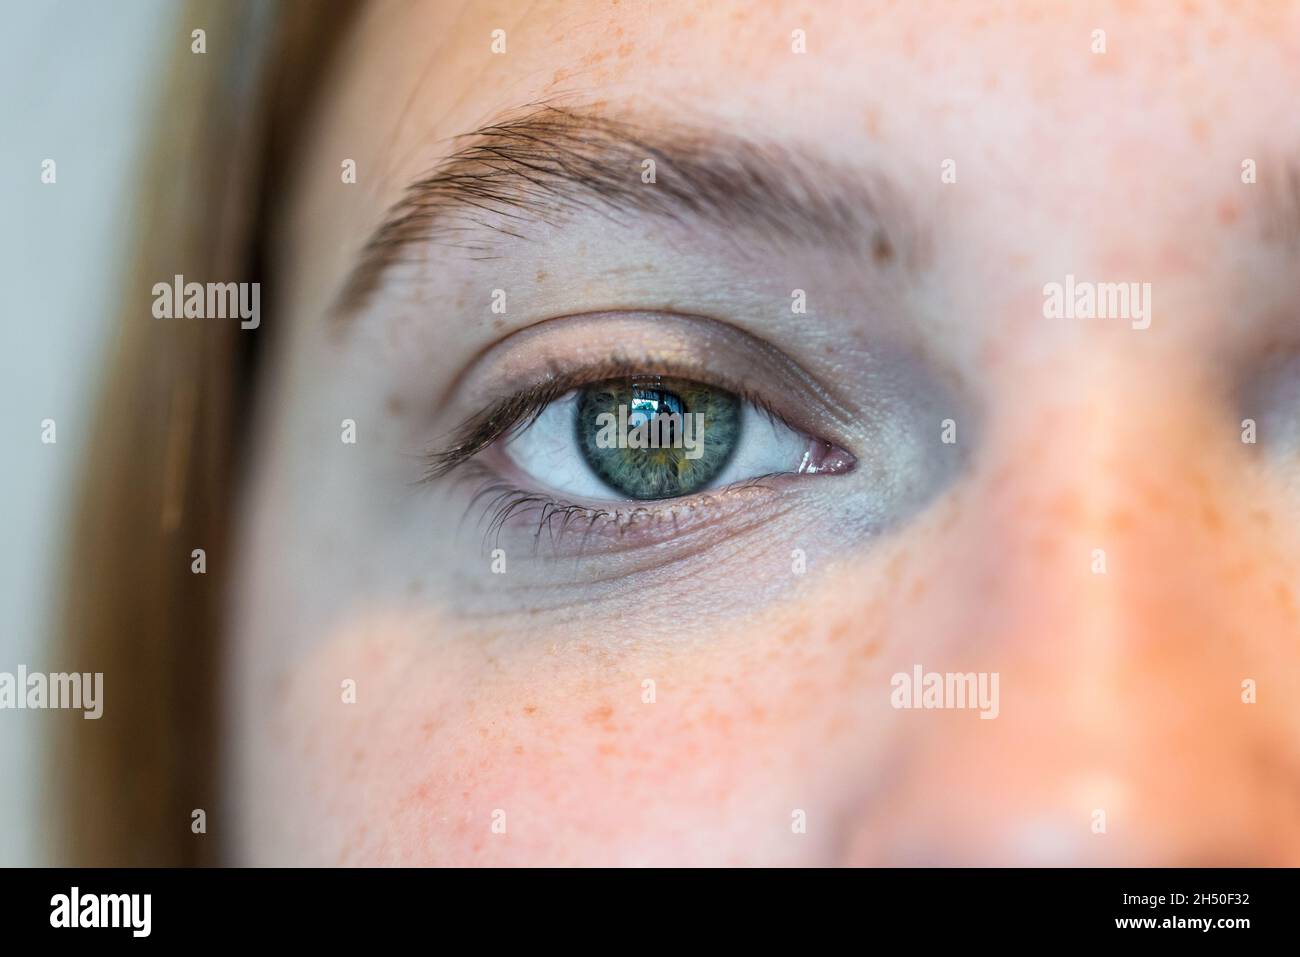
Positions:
(737, 442)
(649, 402)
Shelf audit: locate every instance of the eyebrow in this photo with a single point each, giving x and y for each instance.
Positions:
(545, 162)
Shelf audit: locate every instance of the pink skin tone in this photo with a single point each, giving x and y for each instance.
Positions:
(1119, 692)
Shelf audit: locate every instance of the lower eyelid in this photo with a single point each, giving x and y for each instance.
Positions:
(500, 507)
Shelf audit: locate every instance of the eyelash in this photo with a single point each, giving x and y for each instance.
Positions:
(516, 412)
(507, 500)
(513, 413)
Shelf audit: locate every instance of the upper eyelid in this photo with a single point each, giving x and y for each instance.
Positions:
(511, 412)
(690, 346)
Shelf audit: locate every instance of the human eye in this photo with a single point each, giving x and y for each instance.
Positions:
(648, 437)
(665, 436)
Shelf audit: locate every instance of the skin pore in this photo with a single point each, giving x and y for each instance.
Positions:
(521, 698)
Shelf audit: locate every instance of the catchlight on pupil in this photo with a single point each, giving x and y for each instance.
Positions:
(656, 437)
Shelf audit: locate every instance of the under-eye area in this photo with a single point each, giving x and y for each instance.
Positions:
(686, 425)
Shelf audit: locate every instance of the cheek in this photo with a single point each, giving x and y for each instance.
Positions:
(523, 747)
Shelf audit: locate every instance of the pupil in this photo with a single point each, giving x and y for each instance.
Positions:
(649, 401)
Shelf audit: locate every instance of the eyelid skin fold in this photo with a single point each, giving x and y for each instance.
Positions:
(553, 357)
(513, 413)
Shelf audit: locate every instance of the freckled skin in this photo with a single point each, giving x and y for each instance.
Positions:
(1119, 691)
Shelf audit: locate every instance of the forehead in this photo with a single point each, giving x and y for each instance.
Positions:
(911, 73)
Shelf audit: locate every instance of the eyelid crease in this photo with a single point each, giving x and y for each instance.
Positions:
(511, 414)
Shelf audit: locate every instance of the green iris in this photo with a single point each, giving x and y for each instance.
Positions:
(652, 437)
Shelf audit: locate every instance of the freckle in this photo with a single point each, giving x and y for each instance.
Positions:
(600, 715)
(519, 749)
(1286, 602)
(1238, 572)
(895, 567)
(919, 588)
(625, 49)
(718, 720)
(1120, 520)
(1228, 212)
(541, 275)
(871, 123)
(1154, 498)
(608, 750)
(1107, 62)
(881, 250)
(1211, 518)
(415, 587)
(483, 732)
(951, 516)
(1261, 517)
(1199, 129)
(530, 709)
(395, 405)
